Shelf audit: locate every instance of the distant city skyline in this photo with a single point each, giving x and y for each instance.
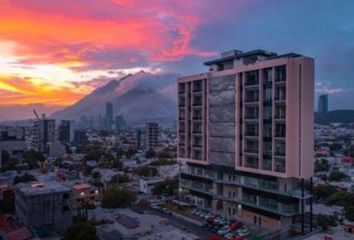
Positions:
(55, 53)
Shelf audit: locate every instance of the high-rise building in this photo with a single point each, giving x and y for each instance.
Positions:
(152, 135)
(109, 116)
(65, 131)
(43, 132)
(323, 103)
(245, 131)
(120, 123)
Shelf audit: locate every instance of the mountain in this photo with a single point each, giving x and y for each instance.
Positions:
(336, 116)
(138, 97)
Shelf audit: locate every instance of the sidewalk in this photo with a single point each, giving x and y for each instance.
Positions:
(185, 218)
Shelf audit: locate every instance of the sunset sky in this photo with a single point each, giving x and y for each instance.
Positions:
(54, 52)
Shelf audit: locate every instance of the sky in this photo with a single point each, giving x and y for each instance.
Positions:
(55, 52)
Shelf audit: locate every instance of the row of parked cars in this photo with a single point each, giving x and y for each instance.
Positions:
(230, 229)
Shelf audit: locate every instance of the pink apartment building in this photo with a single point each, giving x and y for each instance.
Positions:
(245, 130)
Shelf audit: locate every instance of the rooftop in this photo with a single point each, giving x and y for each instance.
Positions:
(39, 188)
(237, 54)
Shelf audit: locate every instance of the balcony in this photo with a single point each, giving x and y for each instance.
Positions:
(197, 103)
(197, 146)
(252, 116)
(280, 134)
(251, 133)
(279, 153)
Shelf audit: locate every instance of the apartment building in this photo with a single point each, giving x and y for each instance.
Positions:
(245, 131)
(152, 135)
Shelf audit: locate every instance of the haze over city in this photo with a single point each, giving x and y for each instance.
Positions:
(56, 52)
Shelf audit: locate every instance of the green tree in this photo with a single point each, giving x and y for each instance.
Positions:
(163, 162)
(340, 198)
(80, 231)
(169, 187)
(117, 198)
(322, 192)
(24, 178)
(321, 165)
(146, 171)
(326, 221)
(150, 153)
(32, 158)
(336, 176)
(349, 213)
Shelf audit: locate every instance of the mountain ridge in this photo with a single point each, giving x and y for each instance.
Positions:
(137, 97)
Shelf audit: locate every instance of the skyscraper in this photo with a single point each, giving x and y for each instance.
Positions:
(245, 130)
(323, 103)
(109, 116)
(65, 131)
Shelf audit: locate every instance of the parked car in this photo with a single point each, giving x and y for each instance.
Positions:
(243, 231)
(222, 231)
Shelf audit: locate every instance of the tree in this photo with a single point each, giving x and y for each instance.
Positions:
(322, 192)
(32, 158)
(336, 176)
(7, 203)
(163, 162)
(321, 165)
(340, 198)
(325, 221)
(117, 198)
(116, 163)
(24, 178)
(169, 186)
(146, 171)
(80, 231)
(150, 153)
(349, 213)
(164, 154)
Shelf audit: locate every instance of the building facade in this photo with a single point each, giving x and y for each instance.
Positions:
(44, 204)
(152, 135)
(43, 131)
(245, 130)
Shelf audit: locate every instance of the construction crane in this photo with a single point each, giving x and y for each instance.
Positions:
(35, 113)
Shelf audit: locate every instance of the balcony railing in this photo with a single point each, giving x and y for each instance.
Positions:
(251, 82)
(251, 133)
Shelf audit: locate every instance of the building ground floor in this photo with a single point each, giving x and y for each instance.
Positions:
(265, 201)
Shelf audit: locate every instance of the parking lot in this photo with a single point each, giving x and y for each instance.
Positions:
(208, 223)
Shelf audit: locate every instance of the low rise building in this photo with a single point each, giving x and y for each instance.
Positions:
(44, 204)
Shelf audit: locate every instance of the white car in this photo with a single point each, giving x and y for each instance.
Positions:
(230, 235)
(243, 232)
(223, 230)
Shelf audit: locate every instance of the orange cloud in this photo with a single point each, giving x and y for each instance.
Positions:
(26, 91)
(66, 38)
